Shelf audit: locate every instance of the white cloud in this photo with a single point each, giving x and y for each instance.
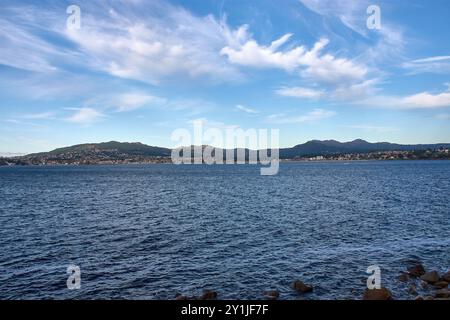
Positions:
(329, 68)
(85, 116)
(299, 92)
(154, 41)
(355, 91)
(422, 100)
(250, 53)
(346, 92)
(323, 67)
(312, 116)
(147, 41)
(426, 100)
(246, 109)
(432, 59)
(165, 41)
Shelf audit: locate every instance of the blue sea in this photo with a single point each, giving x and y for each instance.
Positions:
(152, 231)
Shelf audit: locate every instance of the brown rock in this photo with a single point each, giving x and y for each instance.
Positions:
(179, 296)
(430, 277)
(208, 295)
(446, 276)
(416, 270)
(419, 298)
(301, 287)
(440, 284)
(443, 293)
(428, 298)
(403, 277)
(271, 294)
(377, 294)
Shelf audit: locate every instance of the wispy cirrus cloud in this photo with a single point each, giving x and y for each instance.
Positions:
(348, 92)
(309, 117)
(386, 44)
(351, 13)
(432, 59)
(22, 123)
(150, 48)
(39, 116)
(146, 41)
(125, 102)
(246, 109)
(372, 128)
(133, 101)
(435, 64)
(17, 43)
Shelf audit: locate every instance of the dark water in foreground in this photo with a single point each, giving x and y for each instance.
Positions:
(148, 232)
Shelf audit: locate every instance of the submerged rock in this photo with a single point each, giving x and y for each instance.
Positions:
(430, 277)
(440, 284)
(301, 287)
(272, 294)
(416, 270)
(179, 296)
(377, 294)
(403, 277)
(208, 295)
(442, 293)
(446, 276)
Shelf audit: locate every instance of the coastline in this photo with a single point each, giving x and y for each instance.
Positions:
(169, 162)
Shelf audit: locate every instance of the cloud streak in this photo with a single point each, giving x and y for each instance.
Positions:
(85, 116)
(435, 64)
(300, 92)
(310, 117)
(246, 109)
(421, 100)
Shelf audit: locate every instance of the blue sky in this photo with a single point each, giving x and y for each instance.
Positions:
(137, 70)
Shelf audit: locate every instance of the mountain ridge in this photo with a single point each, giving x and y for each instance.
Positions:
(309, 148)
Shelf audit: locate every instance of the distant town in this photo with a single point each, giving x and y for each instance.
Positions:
(439, 154)
(110, 153)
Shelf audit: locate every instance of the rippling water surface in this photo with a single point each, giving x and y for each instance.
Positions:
(148, 232)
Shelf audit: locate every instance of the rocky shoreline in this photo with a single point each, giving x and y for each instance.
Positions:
(432, 283)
